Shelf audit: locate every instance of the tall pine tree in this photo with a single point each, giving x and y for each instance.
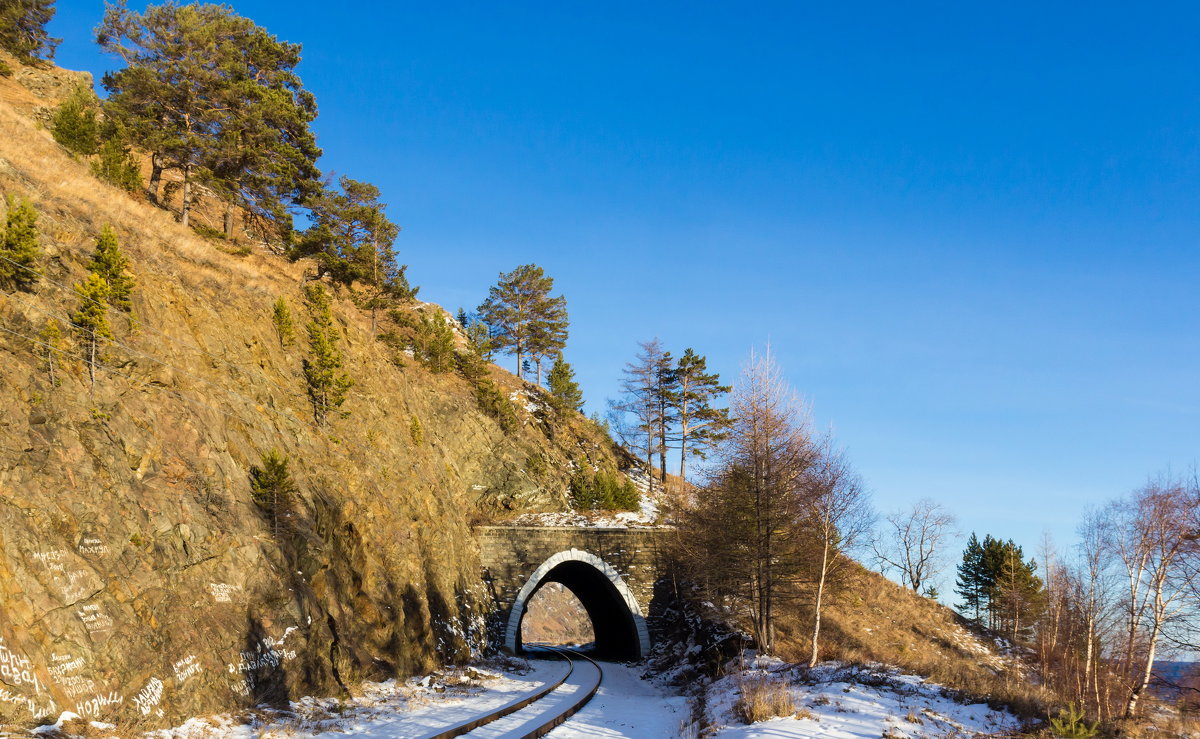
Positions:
(525, 318)
(971, 586)
(351, 239)
(215, 97)
(23, 29)
(701, 424)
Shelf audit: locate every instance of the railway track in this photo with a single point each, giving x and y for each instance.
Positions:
(538, 713)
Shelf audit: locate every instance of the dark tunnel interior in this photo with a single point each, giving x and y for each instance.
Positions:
(613, 623)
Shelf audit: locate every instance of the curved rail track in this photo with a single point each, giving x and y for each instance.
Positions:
(536, 714)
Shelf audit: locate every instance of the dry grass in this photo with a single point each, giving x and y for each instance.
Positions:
(761, 697)
(875, 621)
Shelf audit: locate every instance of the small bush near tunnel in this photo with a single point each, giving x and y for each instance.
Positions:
(761, 697)
(605, 491)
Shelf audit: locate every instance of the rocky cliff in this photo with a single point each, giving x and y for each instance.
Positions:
(140, 583)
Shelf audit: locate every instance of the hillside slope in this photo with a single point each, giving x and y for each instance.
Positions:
(139, 582)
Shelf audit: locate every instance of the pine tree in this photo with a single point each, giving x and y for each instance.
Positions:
(272, 488)
(23, 29)
(549, 334)
(351, 240)
(19, 251)
(74, 124)
(91, 319)
(644, 399)
(970, 580)
(328, 384)
(281, 316)
(433, 343)
(215, 97)
(666, 396)
(701, 425)
(563, 388)
(526, 320)
(109, 263)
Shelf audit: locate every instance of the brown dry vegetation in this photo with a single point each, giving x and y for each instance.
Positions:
(874, 620)
(761, 697)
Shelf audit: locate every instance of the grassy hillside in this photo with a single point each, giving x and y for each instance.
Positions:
(872, 620)
(140, 582)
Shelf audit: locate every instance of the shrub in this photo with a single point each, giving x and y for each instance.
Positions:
(19, 248)
(1070, 724)
(415, 432)
(762, 698)
(74, 124)
(604, 490)
(491, 401)
(281, 316)
(115, 165)
(5, 70)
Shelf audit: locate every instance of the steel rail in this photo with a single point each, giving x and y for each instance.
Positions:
(507, 709)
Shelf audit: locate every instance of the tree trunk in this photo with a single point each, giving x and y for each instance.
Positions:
(683, 432)
(816, 632)
(156, 170)
(229, 221)
(519, 353)
(662, 448)
(1088, 675)
(1144, 680)
(187, 194)
(92, 360)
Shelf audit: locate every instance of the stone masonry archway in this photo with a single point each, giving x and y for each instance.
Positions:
(618, 575)
(617, 619)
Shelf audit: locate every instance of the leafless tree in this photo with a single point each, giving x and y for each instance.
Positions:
(910, 542)
(1155, 539)
(1094, 604)
(839, 515)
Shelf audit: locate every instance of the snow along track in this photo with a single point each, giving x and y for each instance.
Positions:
(536, 714)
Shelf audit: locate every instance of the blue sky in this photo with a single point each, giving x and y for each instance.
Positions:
(968, 233)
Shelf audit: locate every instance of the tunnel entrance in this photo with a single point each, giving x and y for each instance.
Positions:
(617, 620)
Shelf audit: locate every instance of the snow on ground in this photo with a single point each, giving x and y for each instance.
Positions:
(839, 702)
(416, 708)
(626, 706)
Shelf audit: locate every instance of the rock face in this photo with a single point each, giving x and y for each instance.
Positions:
(140, 583)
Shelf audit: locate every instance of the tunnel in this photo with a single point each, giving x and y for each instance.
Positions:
(617, 620)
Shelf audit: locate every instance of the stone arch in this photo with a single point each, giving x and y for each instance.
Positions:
(617, 619)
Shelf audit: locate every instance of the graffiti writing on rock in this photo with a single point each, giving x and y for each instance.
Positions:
(93, 546)
(185, 668)
(149, 697)
(94, 618)
(95, 705)
(223, 592)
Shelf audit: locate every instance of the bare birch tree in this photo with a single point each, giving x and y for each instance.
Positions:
(839, 516)
(1159, 524)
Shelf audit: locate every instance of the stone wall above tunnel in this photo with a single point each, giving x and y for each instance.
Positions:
(510, 555)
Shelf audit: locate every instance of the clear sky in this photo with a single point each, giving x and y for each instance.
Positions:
(970, 234)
